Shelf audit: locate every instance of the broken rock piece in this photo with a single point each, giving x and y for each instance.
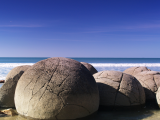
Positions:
(9, 112)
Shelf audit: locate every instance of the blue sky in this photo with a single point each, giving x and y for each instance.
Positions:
(80, 28)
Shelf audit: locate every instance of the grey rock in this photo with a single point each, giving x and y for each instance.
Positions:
(57, 88)
(150, 80)
(89, 67)
(119, 89)
(8, 88)
(135, 70)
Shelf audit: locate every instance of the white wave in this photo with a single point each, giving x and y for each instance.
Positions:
(6, 65)
(125, 64)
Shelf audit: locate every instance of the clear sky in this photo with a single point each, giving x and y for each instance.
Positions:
(80, 28)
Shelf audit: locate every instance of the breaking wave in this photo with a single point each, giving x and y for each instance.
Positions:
(125, 64)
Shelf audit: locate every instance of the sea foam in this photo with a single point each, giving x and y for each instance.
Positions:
(5, 68)
(125, 64)
(8, 65)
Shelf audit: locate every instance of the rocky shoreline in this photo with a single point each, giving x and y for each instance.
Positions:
(62, 88)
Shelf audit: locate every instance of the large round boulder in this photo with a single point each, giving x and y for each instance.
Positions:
(57, 88)
(135, 70)
(7, 90)
(150, 80)
(89, 67)
(118, 89)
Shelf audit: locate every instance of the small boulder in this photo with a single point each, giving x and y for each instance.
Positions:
(89, 67)
(135, 70)
(8, 88)
(57, 88)
(150, 80)
(118, 89)
(2, 81)
(9, 112)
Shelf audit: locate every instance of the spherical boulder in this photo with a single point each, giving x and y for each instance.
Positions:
(135, 70)
(150, 80)
(89, 67)
(118, 89)
(7, 90)
(57, 88)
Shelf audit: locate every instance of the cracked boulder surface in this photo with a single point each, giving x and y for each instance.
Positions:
(150, 80)
(135, 70)
(117, 89)
(7, 90)
(89, 67)
(57, 88)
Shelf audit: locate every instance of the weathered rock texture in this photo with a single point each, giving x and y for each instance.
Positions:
(89, 67)
(119, 89)
(150, 80)
(8, 88)
(57, 88)
(135, 70)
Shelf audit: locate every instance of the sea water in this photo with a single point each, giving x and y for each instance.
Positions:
(101, 64)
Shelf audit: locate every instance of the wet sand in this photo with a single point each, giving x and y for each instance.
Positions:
(146, 113)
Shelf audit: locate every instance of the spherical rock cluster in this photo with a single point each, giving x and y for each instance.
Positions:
(89, 67)
(57, 88)
(119, 89)
(135, 70)
(7, 91)
(150, 80)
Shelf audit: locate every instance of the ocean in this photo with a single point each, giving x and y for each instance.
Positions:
(101, 64)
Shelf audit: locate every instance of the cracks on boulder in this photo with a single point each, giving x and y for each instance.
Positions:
(42, 94)
(148, 89)
(61, 107)
(63, 81)
(145, 84)
(46, 84)
(118, 90)
(48, 81)
(79, 106)
(100, 74)
(134, 70)
(138, 91)
(62, 91)
(54, 71)
(129, 97)
(73, 105)
(125, 96)
(155, 84)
